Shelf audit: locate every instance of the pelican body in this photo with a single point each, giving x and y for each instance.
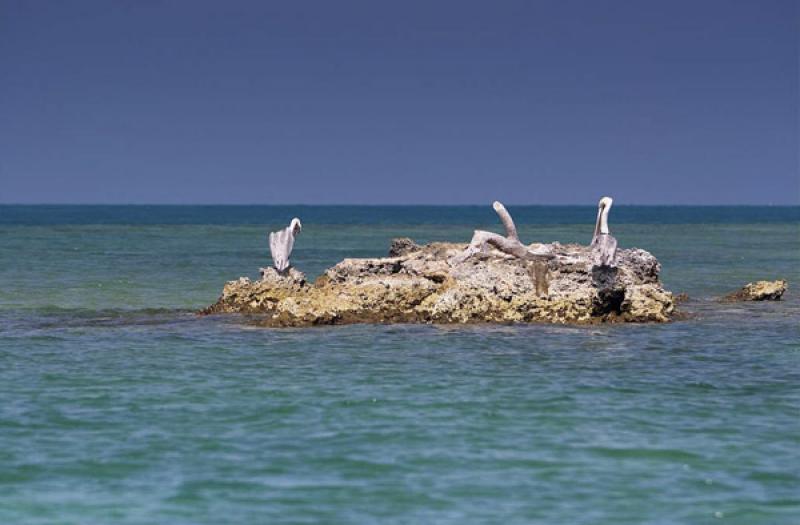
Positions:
(604, 245)
(281, 243)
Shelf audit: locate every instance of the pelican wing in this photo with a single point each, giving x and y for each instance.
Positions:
(604, 250)
(280, 245)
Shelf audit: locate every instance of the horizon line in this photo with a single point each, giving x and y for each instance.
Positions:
(398, 205)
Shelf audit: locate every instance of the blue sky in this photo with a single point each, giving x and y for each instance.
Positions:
(445, 102)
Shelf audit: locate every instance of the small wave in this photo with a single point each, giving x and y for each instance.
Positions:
(50, 317)
(645, 453)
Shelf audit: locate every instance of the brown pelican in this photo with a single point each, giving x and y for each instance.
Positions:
(281, 243)
(604, 246)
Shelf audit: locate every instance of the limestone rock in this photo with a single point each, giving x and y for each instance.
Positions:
(432, 284)
(759, 291)
(647, 302)
(246, 296)
(402, 246)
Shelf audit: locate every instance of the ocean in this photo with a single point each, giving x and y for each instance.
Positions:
(119, 405)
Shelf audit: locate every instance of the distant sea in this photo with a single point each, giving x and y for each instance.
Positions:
(119, 405)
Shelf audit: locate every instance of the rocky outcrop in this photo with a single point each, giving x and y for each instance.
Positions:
(434, 284)
(759, 291)
(402, 246)
(246, 296)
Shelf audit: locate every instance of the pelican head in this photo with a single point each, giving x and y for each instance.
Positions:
(295, 226)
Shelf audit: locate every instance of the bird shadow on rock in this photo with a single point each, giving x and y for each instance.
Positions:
(604, 277)
(609, 297)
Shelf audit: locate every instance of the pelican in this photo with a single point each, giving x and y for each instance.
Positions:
(604, 245)
(281, 243)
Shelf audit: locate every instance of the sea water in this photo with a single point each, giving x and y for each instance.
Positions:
(119, 405)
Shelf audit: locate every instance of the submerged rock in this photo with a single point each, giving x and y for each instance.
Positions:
(759, 291)
(431, 284)
(681, 297)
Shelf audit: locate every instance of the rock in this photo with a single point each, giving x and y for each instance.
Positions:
(402, 246)
(290, 276)
(647, 302)
(430, 284)
(759, 291)
(246, 296)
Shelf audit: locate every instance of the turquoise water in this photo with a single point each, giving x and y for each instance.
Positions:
(119, 405)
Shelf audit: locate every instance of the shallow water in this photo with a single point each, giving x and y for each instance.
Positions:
(118, 405)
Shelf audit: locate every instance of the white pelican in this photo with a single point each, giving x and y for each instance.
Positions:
(604, 245)
(281, 243)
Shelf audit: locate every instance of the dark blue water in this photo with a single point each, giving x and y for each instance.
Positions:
(384, 215)
(119, 405)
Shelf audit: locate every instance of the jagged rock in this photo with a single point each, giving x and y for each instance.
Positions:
(432, 284)
(759, 291)
(246, 296)
(402, 246)
(647, 302)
